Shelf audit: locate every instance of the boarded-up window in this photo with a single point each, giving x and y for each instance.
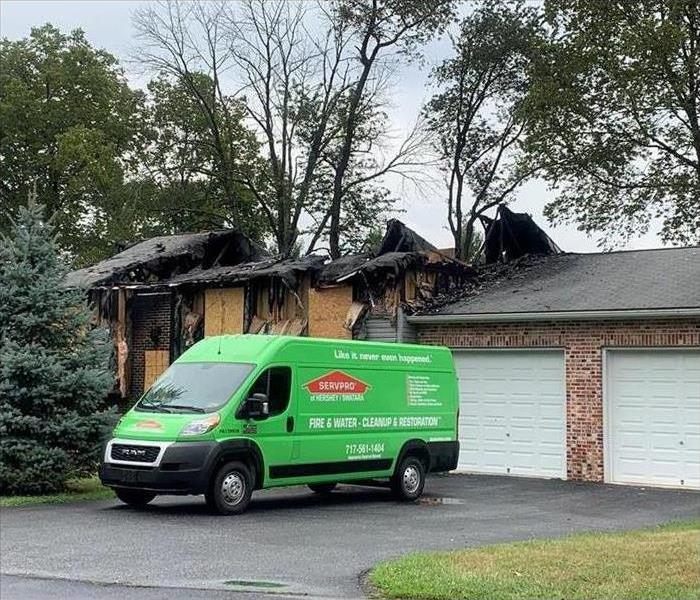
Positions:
(156, 361)
(223, 311)
(328, 308)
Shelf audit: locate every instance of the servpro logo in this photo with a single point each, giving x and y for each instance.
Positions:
(337, 386)
(149, 424)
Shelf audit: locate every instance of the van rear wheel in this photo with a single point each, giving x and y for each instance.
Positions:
(322, 488)
(230, 490)
(135, 498)
(409, 479)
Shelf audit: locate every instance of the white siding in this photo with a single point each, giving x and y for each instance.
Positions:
(380, 329)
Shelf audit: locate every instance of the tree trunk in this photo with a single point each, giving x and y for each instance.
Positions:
(346, 150)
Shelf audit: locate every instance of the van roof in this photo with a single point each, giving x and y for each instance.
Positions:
(252, 348)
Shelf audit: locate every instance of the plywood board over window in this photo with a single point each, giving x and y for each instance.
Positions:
(156, 361)
(328, 309)
(223, 311)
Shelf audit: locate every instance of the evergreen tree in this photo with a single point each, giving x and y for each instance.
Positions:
(54, 375)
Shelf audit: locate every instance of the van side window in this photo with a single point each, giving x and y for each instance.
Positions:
(276, 383)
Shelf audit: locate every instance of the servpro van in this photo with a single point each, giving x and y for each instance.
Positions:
(238, 413)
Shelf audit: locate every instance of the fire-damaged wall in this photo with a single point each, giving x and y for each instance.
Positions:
(150, 318)
(160, 296)
(275, 306)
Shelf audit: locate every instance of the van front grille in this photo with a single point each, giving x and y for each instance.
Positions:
(127, 452)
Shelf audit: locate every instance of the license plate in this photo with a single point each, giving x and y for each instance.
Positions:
(131, 476)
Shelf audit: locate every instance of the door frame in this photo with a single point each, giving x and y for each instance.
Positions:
(561, 350)
(607, 402)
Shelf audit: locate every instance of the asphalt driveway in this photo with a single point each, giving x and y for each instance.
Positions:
(292, 542)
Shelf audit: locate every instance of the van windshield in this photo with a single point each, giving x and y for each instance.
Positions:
(194, 387)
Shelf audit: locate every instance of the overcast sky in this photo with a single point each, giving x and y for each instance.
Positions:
(107, 25)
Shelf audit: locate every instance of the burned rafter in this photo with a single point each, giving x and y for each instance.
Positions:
(512, 235)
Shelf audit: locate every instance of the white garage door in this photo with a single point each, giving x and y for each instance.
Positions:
(653, 417)
(512, 412)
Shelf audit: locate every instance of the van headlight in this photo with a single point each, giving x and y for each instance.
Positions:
(201, 426)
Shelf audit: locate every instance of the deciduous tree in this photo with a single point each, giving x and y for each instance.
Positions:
(67, 119)
(615, 116)
(475, 114)
(295, 71)
(382, 29)
(186, 43)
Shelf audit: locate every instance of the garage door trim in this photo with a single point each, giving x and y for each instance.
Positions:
(607, 417)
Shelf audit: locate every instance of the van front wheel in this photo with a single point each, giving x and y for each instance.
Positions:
(135, 498)
(230, 490)
(409, 479)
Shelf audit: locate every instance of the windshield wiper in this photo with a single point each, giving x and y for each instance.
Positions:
(154, 407)
(196, 409)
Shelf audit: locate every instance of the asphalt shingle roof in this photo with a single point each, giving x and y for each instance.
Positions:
(641, 279)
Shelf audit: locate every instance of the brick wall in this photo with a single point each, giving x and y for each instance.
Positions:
(147, 313)
(583, 343)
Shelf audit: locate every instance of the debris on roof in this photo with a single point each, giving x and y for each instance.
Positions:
(657, 279)
(485, 278)
(166, 256)
(512, 235)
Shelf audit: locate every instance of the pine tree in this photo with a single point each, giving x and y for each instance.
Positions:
(54, 376)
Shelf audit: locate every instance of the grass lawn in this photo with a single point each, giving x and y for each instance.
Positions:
(659, 563)
(76, 489)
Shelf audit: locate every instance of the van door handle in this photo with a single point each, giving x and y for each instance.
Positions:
(290, 424)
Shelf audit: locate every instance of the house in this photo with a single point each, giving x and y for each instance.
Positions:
(573, 366)
(160, 296)
(578, 366)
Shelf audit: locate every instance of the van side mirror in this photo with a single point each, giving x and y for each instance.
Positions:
(256, 407)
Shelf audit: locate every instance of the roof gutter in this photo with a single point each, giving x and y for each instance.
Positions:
(572, 315)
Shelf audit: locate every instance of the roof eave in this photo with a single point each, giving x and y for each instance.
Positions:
(573, 315)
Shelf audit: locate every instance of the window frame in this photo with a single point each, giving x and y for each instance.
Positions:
(266, 370)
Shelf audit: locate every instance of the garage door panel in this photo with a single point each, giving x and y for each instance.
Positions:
(553, 462)
(664, 441)
(653, 414)
(667, 416)
(692, 443)
(519, 398)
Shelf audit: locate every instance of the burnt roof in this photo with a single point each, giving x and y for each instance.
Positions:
(400, 238)
(228, 257)
(286, 269)
(162, 256)
(401, 248)
(627, 280)
(512, 235)
(348, 267)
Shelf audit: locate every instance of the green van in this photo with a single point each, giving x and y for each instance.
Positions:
(238, 413)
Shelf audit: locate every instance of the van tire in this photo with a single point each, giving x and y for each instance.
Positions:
(135, 498)
(322, 488)
(409, 479)
(230, 489)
